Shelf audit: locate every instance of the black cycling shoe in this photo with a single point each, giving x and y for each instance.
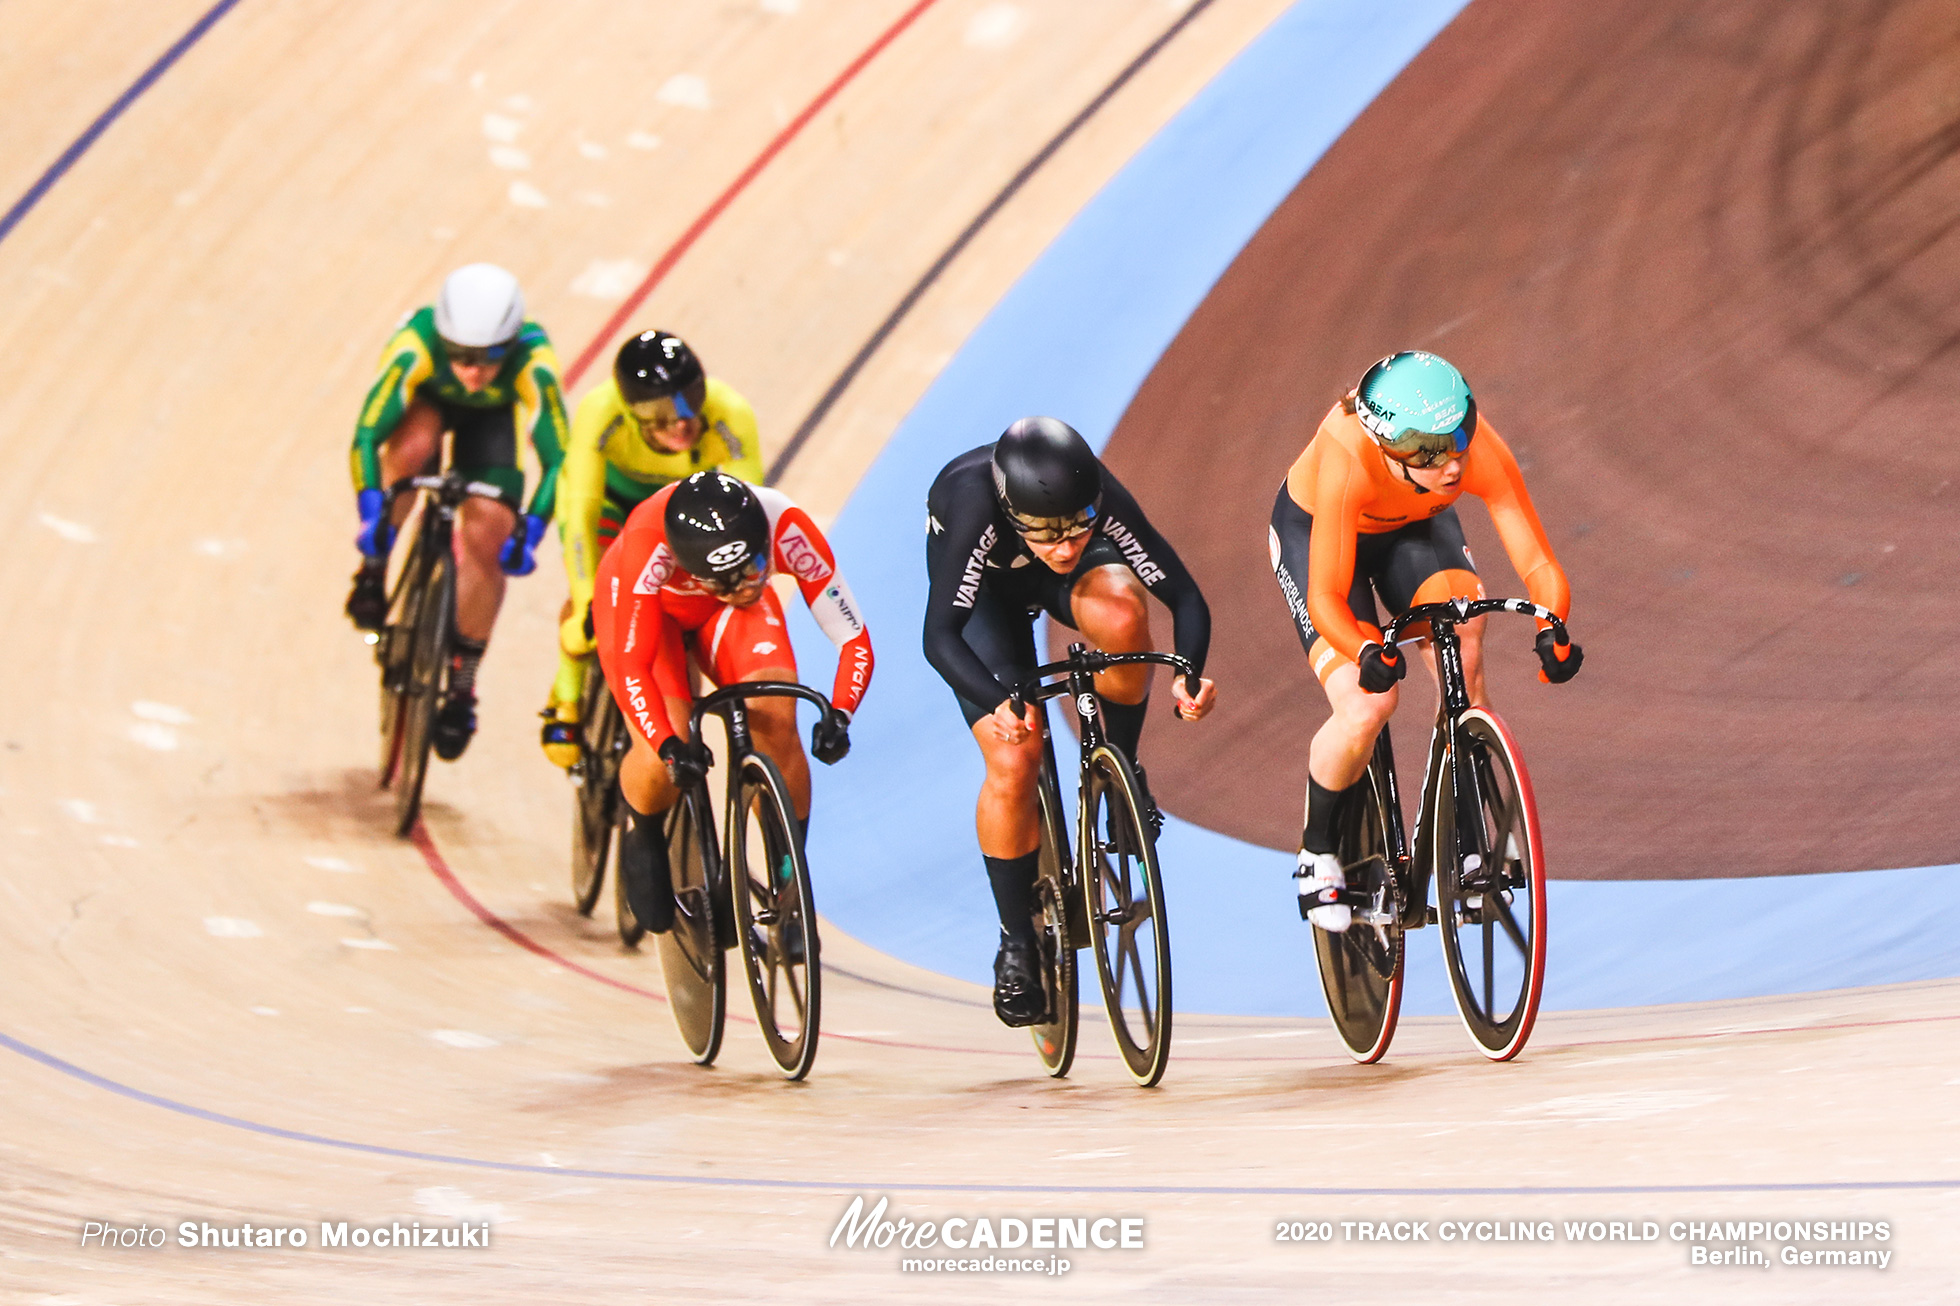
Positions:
(644, 873)
(455, 724)
(367, 605)
(1018, 997)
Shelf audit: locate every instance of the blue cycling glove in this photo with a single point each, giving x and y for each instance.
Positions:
(520, 550)
(374, 537)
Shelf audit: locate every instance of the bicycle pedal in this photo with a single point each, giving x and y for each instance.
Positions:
(1432, 917)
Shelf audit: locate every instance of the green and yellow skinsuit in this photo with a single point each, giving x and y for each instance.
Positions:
(610, 469)
(415, 365)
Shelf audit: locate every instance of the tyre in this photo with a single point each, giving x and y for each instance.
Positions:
(1056, 909)
(1361, 968)
(394, 643)
(595, 789)
(1127, 928)
(697, 987)
(775, 915)
(428, 668)
(1491, 902)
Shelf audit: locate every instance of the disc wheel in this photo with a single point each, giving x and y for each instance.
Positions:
(1054, 1039)
(775, 916)
(1361, 967)
(595, 789)
(428, 660)
(697, 987)
(1127, 928)
(1491, 901)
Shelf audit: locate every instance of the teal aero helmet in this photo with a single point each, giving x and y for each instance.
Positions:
(1417, 407)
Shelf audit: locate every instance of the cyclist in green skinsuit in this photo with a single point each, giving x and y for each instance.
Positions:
(469, 364)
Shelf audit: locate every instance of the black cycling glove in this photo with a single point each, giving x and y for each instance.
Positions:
(1561, 661)
(1381, 669)
(830, 737)
(687, 763)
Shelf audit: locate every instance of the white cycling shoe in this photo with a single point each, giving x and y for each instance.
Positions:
(1316, 873)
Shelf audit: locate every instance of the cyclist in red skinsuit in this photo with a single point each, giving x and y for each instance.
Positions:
(1367, 510)
(649, 605)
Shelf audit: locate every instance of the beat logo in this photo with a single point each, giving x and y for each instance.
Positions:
(728, 554)
(802, 557)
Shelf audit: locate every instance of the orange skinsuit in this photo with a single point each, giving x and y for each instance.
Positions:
(1350, 487)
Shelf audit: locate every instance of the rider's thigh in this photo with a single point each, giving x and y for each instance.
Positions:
(1109, 605)
(414, 443)
(486, 525)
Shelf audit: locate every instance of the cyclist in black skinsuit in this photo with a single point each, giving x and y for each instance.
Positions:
(1034, 523)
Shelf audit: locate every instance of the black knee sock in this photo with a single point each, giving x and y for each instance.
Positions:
(1323, 813)
(1013, 882)
(462, 672)
(1123, 722)
(643, 858)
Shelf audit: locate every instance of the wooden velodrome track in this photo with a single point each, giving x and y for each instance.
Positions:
(231, 997)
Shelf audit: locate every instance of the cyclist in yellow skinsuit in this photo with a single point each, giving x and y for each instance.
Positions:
(658, 419)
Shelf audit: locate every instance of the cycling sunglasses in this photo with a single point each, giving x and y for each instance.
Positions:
(1420, 449)
(476, 355)
(1053, 530)
(728, 584)
(663, 412)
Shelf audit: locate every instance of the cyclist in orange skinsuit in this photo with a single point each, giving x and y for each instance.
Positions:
(1365, 510)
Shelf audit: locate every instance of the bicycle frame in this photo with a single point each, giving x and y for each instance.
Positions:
(1080, 685)
(1412, 864)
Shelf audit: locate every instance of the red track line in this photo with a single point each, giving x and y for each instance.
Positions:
(727, 197)
(426, 845)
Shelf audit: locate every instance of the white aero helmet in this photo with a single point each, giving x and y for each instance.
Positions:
(480, 306)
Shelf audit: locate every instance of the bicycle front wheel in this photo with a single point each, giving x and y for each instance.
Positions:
(394, 644)
(775, 915)
(428, 664)
(1054, 1039)
(697, 987)
(1491, 891)
(1361, 968)
(595, 789)
(1127, 928)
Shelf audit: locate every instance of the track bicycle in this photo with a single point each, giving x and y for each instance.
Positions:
(1476, 834)
(414, 644)
(752, 891)
(1109, 894)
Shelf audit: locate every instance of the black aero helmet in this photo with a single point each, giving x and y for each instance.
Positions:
(1047, 478)
(657, 365)
(717, 528)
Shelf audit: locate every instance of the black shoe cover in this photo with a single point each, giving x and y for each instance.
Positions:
(454, 727)
(1018, 996)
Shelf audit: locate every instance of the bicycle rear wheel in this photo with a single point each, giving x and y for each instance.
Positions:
(1361, 968)
(1054, 1039)
(428, 666)
(1127, 927)
(1493, 911)
(775, 915)
(697, 987)
(595, 789)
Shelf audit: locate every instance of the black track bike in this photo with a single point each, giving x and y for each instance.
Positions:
(1476, 834)
(749, 890)
(1108, 895)
(414, 645)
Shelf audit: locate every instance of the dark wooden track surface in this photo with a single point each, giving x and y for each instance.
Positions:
(1699, 262)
